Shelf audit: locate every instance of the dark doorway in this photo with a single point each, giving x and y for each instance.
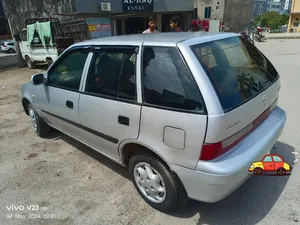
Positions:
(119, 27)
(135, 25)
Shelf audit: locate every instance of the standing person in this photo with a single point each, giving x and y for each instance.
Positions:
(152, 27)
(175, 24)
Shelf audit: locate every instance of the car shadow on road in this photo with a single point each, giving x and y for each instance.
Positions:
(92, 153)
(247, 205)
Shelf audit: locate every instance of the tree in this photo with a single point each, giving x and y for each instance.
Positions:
(272, 19)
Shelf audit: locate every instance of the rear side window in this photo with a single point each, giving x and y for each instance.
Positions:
(236, 68)
(112, 73)
(277, 159)
(167, 82)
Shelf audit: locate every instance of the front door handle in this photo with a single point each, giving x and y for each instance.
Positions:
(69, 104)
(123, 120)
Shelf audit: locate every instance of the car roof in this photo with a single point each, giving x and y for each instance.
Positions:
(160, 39)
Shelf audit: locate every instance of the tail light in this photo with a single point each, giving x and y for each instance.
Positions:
(4, 45)
(212, 151)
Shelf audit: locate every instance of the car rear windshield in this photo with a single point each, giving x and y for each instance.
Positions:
(236, 68)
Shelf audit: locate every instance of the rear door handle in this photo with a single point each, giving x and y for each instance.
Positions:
(69, 104)
(123, 120)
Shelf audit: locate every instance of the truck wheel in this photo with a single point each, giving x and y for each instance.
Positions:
(154, 182)
(39, 125)
(29, 63)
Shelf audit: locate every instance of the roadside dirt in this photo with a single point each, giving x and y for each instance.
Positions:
(64, 178)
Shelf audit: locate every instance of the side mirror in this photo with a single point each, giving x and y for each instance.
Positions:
(38, 79)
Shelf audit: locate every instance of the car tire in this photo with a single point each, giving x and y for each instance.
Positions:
(153, 179)
(281, 172)
(11, 50)
(29, 63)
(40, 127)
(258, 171)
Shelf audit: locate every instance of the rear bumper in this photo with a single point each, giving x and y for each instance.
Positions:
(214, 180)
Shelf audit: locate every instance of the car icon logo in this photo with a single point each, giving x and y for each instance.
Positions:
(271, 163)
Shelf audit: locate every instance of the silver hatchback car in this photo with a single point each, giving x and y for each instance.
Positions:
(187, 113)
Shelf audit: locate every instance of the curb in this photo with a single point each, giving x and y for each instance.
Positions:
(283, 37)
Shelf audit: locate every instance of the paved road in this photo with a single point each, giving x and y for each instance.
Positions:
(8, 60)
(82, 187)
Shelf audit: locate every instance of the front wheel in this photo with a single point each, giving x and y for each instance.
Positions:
(154, 182)
(258, 171)
(281, 172)
(39, 125)
(29, 63)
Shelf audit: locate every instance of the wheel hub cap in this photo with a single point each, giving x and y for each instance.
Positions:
(33, 119)
(150, 182)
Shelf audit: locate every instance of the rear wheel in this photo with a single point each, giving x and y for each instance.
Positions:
(39, 125)
(11, 50)
(258, 171)
(29, 63)
(154, 182)
(281, 172)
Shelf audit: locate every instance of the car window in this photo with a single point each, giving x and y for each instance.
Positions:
(277, 159)
(236, 68)
(167, 81)
(268, 159)
(112, 74)
(67, 71)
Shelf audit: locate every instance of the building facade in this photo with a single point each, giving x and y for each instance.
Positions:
(210, 9)
(287, 5)
(260, 7)
(235, 14)
(275, 6)
(238, 14)
(294, 17)
(131, 16)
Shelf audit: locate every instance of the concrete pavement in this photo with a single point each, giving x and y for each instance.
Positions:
(282, 35)
(8, 60)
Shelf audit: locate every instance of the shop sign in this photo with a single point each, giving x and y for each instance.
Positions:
(137, 5)
(99, 27)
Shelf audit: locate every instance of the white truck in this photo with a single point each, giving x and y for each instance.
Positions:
(34, 51)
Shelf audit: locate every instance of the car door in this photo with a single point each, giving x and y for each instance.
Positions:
(23, 44)
(60, 95)
(278, 162)
(108, 109)
(173, 118)
(268, 163)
